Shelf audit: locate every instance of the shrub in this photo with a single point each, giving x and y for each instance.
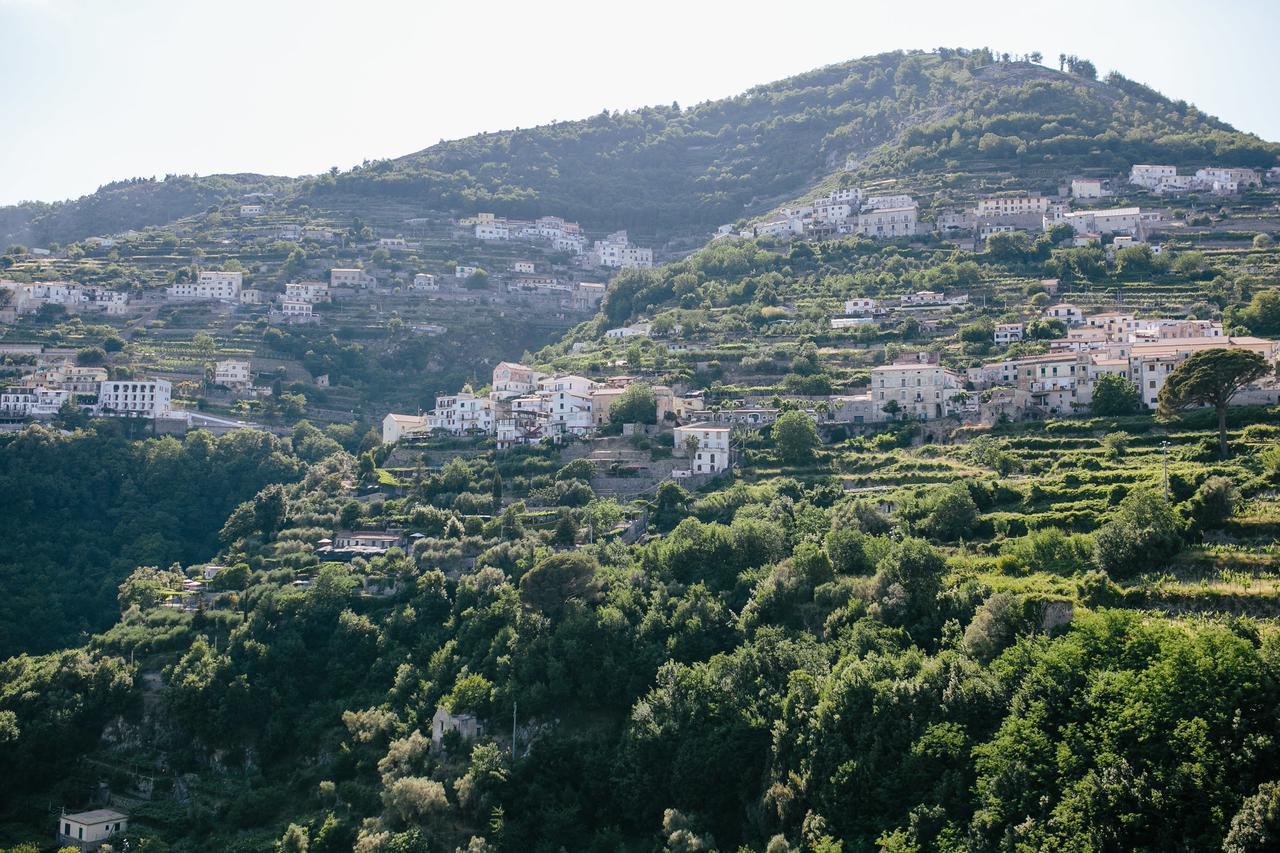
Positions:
(1143, 535)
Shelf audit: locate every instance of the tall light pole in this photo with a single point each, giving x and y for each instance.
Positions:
(1164, 449)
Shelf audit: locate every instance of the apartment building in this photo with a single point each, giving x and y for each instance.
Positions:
(886, 223)
(307, 291)
(616, 251)
(461, 413)
(232, 373)
(1151, 176)
(917, 384)
(1151, 363)
(211, 284)
(149, 398)
(1024, 204)
(712, 454)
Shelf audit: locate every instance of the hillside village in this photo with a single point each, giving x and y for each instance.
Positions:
(932, 499)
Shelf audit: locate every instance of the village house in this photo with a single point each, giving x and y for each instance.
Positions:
(351, 278)
(1007, 333)
(232, 373)
(523, 267)
(365, 543)
(512, 379)
(603, 397)
(587, 295)
(296, 310)
(88, 830)
(464, 271)
(466, 725)
(637, 330)
(1066, 312)
(862, 306)
(1118, 220)
(461, 413)
(250, 296)
(885, 202)
(396, 427)
(567, 403)
(888, 222)
(616, 251)
(211, 284)
(307, 291)
(1150, 176)
(918, 384)
(393, 244)
(423, 282)
(1086, 188)
(712, 446)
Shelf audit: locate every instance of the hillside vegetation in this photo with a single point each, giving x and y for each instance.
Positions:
(668, 171)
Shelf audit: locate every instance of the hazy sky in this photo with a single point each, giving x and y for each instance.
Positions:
(98, 90)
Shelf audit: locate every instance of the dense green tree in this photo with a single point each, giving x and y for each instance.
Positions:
(1211, 378)
(1141, 535)
(796, 437)
(1115, 395)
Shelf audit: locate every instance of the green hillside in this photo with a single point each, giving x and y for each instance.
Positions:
(670, 172)
(981, 632)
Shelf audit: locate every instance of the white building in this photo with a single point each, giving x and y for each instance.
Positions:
(616, 251)
(862, 306)
(637, 330)
(31, 401)
(250, 296)
(886, 223)
(1219, 178)
(306, 291)
(1143, 175)
(424, 282)
(493, 230)
(232, 373)
(464, 271)
(1066, 312)
(512, 379)
(1086, 188)
(1151, 363)
(567, 402)
(296, 310)
(247, 210)
(1023, 204)
(461, 413)
(885, 202)
(918, 385)
(1116, 220)
(393, 244)
(87, 830)
(352, 278)
(212, 284)
(1007, 333)
(396, 427)
(712, 453)
(148, 398)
